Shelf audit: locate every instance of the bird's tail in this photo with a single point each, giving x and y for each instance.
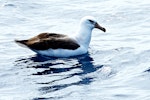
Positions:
(22, 43)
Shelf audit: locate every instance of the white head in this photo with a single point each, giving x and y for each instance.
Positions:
(87, 24)
(91, 23)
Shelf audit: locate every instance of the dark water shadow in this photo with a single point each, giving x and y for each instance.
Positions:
(84, 63)
(148, 70)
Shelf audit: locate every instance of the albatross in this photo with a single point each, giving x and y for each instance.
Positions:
(60, 45)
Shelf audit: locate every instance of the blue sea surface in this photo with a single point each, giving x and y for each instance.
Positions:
(116, 67)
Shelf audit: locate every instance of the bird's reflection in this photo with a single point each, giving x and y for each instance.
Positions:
(84, 63)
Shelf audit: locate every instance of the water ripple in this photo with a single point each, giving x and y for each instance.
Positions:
(65, 68)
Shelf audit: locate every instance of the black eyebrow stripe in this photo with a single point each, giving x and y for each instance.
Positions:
(91, 21)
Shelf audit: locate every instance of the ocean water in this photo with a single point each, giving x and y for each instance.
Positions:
(117, 66)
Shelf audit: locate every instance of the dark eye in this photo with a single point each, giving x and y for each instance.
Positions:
(91, 21)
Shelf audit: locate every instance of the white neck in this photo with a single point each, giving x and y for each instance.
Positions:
(84, 35)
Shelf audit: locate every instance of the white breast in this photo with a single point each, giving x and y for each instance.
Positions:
(63, 52)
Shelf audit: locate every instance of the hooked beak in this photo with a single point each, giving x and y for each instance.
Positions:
(100, 27)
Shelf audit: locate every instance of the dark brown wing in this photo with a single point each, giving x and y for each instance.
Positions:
(46, 41)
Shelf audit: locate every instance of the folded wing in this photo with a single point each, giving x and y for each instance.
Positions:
(46, 41)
